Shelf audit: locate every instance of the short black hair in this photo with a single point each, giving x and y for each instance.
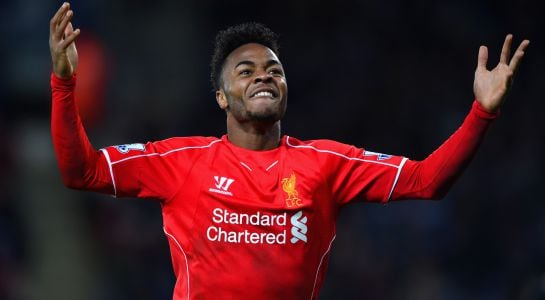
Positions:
(235, 36)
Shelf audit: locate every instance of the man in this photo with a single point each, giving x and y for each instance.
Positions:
(252, 214)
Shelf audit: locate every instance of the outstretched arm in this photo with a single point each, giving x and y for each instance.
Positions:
(432, 177)
(81, 166)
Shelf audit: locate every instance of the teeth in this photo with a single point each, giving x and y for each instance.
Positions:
(264, 94)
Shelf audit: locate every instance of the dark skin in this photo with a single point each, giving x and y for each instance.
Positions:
(254, 95)
(253, 121)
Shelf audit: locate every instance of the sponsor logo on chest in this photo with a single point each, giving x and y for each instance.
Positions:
(243, 228)
(259, 227)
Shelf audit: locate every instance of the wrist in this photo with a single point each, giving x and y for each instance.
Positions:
(62, 83)
(62, 76)
(484, 113)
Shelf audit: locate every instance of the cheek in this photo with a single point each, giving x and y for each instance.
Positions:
(283, 85)
(235, 104)
(237, 88)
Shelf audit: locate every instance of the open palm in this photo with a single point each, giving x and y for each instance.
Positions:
(491, 86)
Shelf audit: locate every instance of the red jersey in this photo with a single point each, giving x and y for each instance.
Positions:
(252, 223)
(245, 224)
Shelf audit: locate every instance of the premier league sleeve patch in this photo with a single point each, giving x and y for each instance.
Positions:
(128, 147)
(376, 155)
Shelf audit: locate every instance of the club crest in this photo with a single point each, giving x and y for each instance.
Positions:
(289, 186)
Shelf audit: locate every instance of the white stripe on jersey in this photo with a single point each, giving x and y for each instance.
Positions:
(166, 153)
(183, 252)
(107, 156)
(320, 265)
(358, 159)
(339, 154)
(397, 177)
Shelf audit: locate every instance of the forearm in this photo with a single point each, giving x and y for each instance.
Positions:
(79, 163)
(433, 177)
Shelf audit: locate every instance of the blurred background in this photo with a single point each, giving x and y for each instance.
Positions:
(389, 75)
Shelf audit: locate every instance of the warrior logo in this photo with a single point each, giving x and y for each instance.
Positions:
(222, 185)
(299, 227)
(288, 185)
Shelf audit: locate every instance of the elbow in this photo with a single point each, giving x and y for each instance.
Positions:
(77, 176)
(71, 183)
(81, 175)
(436, 196)
(435, 192)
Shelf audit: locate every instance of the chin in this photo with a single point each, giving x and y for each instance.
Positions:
(265, 116)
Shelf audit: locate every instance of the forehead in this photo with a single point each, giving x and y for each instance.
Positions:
(253, 52)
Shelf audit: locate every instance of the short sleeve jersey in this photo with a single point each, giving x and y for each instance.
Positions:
(245, 224)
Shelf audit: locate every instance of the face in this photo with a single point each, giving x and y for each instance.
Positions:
(254, 86)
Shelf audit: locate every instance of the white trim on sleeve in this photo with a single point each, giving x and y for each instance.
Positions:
(397, 177)
(107, 156)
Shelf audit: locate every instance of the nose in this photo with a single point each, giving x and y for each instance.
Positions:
(262, 76)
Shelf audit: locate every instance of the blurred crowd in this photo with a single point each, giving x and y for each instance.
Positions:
(389, 75)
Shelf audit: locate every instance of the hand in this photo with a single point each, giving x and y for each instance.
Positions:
(491, 87)
(61, 42)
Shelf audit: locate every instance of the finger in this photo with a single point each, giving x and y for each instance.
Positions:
(519, 54)
(69, 39)
(64, 22)
(69, 29)
(483, 58)
(60, 12)
(55, 20)
(506, 49)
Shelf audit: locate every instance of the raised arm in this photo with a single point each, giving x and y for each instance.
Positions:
(491, 86)
(61, 42)
(81, 166)
(432, 177)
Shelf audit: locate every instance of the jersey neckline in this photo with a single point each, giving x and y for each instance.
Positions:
(239, 149)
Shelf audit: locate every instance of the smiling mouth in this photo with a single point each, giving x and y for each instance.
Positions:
(264, 94)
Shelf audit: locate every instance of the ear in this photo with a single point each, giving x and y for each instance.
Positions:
(221, 99)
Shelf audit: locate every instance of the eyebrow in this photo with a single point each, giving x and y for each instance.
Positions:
(269, 63)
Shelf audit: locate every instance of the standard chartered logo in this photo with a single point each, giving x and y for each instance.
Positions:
(248, 228)
(299, 227)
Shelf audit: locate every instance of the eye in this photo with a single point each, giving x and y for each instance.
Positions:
(275, 71)
(245, 72)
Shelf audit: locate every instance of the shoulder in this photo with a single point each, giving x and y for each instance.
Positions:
(192, 142)
(337, 152)
(324, 146)
(160, 148)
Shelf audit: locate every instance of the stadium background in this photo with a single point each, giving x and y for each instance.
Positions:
(389, 75)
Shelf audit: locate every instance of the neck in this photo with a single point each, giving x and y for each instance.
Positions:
(253, 135)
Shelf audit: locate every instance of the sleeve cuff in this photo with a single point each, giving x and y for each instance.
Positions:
(66, 84)
(480, 112)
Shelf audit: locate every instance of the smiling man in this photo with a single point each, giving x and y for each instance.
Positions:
(250, 86)
(252, 214)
